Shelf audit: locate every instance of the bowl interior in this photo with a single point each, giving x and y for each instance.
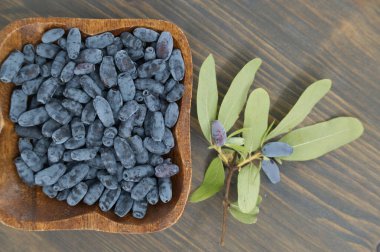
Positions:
(28, 208)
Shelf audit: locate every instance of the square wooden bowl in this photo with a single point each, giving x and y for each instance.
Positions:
(28, 208)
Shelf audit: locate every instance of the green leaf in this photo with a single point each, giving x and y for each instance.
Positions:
(238, 148)
(236, 132)
(235, 140)
(248, 187)
(207, 96)
(302, 108)
(266, 133)
(236, 96)
(246, 218)
(212, 183)
(256, 118)
(255, 210)
(259, 199)
(316, 140)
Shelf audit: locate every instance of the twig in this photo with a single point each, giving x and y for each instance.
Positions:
(220, 153)
(253, 157)
(231, 169)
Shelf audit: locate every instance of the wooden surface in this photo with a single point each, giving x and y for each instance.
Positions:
(31, 209)
(330, 204)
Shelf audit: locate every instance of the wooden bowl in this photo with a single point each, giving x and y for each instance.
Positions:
(28, 208)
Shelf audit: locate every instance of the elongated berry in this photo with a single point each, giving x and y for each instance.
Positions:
(84, 154)
(18, 104)
(71, 178)
(136, 173)
(33, 161)
(277, 149)
(11, 66)
(78, 130)
(126, 86)
(100, 41)
(50, 175)
(150, 53)
(153, 86)
(30, 132)
(52, 35)
(90, 55)
(271, 169)
(33, 117)
(47, 90)
(29, 53)
(177, 65)
(31, 87)
(157, 126)
(103, 110)
(124, 204)
(139, 209)
(62, 134)
(93, 193)
(218, 133)
(115, 100)
(176, 93)
(76, 95)
(164, 45)
(128, 109)
(47, 50)
(124, 63)
(57, 112)
(49, 191)
(62, 195)
(141, 189)
(155, 146)
(150, 68)
(109, 160)
(171, 115)
(95, 134)
(152, 197)
(145, 34)
(27, 72)
(55, 152)
(68, 72)
(124, 152)
(88, 113)
(73, 43)
(73, 144)
(77, 193)
(58, 64)
(24, 144)
(165, 189)
(24, 172)
(108, 72)
(109, 199)
(84, 68)
(72, 106)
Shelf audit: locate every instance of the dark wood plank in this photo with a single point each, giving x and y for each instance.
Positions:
(330, 204)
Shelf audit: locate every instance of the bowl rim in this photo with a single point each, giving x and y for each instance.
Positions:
(93, 220)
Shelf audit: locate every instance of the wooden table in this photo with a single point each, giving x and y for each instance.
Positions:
(330, 204)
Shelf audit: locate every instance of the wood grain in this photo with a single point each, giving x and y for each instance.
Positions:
(330, 204)
(30, 208)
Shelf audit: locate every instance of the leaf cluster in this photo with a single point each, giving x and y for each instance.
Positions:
(259, 145)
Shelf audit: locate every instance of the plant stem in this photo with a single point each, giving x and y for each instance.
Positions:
(250, 159)
(231, 169)
(221, 155)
